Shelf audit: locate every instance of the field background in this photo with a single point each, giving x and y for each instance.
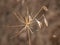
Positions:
(46, 36)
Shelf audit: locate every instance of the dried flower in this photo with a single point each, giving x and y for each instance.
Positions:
(28, 20)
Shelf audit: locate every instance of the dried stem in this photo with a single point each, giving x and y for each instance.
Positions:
(13, 26)
(29, 37)
(18, 17)
(30, 30)
(44, 7)
(17, 33)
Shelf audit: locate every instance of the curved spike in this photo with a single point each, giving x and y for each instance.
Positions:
(44, 7)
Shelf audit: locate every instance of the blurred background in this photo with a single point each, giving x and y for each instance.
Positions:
(45, 36)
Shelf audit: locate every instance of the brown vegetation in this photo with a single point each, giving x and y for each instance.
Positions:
(17, 14)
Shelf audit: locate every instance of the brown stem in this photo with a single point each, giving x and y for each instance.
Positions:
(13, 26)
(18, 17)
(29, 37)
(17, 33)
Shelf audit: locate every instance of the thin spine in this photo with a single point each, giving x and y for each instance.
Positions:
(13, 26)
(18, 17)
(18, 33)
